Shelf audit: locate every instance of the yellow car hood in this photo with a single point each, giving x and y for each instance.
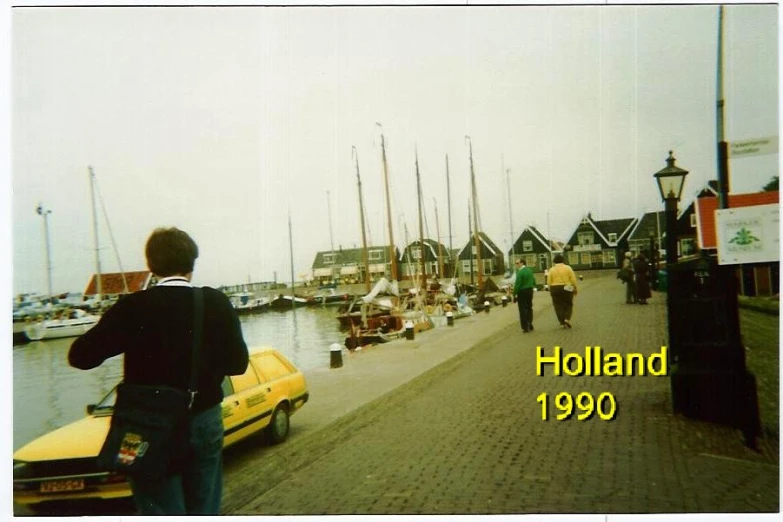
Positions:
(79, 439)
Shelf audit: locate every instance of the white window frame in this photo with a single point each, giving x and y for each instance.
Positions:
(527, 245)
(374, 255)
(586, 238)
(329, 258)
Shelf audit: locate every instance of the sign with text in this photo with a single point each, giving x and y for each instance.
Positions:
(748, 234)
(754, 147)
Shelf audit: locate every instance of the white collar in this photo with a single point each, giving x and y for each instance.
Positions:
(174, 281)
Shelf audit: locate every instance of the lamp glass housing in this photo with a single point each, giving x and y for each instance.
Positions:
(670, 184)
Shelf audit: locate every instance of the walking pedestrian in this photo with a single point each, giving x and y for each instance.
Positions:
(562, 288)
(628, 279)
(154, 330)
(641, 272)
(524, 283)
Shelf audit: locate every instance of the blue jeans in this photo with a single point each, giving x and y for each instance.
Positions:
(198, 489)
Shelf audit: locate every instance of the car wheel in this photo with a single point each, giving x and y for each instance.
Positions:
(277, 431)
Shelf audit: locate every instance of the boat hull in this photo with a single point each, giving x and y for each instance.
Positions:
(57, 329)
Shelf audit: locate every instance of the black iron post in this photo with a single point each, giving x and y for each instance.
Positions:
(671, 231)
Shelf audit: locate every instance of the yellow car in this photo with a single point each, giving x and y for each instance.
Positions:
(61, 465)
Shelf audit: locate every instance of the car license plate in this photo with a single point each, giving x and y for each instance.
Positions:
(58, 486)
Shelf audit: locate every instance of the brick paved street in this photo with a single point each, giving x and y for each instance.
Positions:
(467, 436)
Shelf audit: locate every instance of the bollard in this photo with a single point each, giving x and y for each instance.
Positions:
(449, 319)
(409, 333)
(486, 306)
(504, 300)
(335, 356)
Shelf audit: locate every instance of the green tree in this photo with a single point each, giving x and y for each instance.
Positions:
(772, 185)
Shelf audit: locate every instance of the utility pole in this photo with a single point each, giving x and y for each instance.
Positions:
(43, 212)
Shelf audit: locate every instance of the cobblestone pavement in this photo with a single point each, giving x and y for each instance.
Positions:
(467, 437)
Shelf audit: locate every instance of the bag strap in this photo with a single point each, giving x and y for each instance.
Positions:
(198, 328)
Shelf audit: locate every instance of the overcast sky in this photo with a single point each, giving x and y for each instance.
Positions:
(222, 121)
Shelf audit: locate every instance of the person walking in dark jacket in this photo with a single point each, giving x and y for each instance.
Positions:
(630, 284)
(524, 283)
(641, 270)
(154, 330)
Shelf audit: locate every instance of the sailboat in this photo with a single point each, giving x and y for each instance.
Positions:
(289, 302)
(364, 315)
(73, 322)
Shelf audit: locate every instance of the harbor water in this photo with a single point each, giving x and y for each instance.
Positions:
(48, 393)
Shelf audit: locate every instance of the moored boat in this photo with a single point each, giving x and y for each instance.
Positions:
(246, 303)
(70, 324)
(283, 302)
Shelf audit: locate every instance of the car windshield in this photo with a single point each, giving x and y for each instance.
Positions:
(107, 403)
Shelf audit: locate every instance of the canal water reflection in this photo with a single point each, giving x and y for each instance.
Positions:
(48, 393)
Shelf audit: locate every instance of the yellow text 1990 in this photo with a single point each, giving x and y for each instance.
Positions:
(604, 406)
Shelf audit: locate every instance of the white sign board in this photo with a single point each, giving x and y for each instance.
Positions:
(754, 147)
(748, 234)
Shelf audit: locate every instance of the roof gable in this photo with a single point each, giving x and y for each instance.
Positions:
(654, 222)
(603, 228)
(113, 283)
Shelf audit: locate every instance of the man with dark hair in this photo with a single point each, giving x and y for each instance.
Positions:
(170, 251)
(154, 329)
(524, 283)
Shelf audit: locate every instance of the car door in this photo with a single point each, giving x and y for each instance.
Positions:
(243, 406)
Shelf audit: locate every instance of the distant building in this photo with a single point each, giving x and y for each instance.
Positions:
(598, 244)
(492, 258)
(647, 235)
(434, 254)
(347, 265)
(535, 249)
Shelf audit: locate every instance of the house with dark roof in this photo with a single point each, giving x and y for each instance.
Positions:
(115, 284)
(492, 258)
(598, 243)
(436, 258)
(534, 248)
(647, 235)
(346, 265)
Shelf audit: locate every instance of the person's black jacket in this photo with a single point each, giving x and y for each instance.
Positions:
(154, 329)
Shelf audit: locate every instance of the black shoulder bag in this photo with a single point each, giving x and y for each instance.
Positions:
(149, 424)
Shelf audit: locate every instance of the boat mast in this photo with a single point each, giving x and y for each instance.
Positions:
(470, 234)
(361, 219)
(510, 219)
(440, 246)
(448, 204)
(388, 207)
(421, 229)
(331, 237)
(99, 288)
(291, 255)
(480, 278)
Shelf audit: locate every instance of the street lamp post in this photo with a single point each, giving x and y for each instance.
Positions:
(709, 378)
(41, 211)
(670, 183)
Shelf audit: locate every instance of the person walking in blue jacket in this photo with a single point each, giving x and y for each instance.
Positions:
(524, 283)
